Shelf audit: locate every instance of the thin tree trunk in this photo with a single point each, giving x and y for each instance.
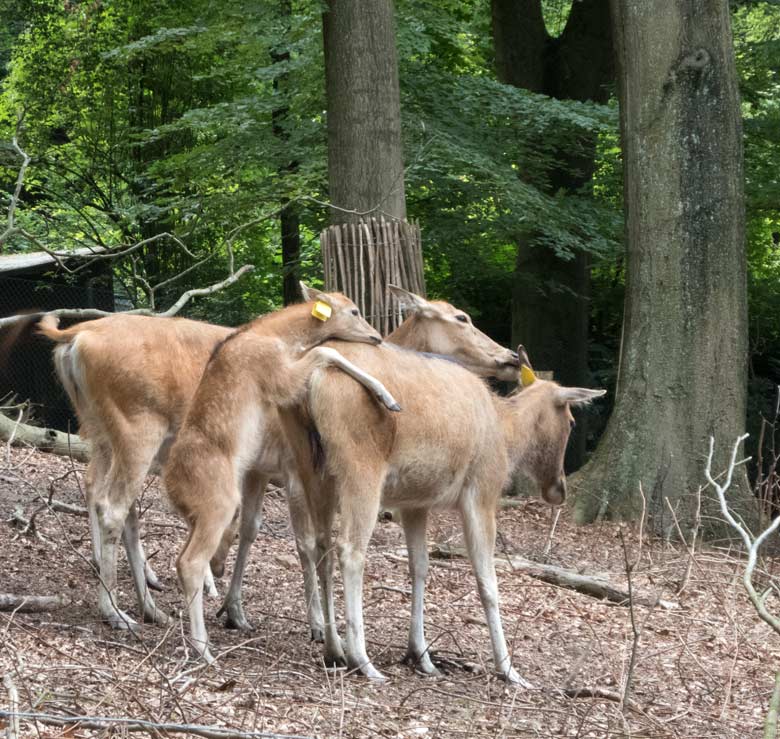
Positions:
(288, 220)
(683, 362)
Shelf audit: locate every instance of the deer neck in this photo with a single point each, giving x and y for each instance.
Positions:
(408, 336)
(519, 417)
(294, 325)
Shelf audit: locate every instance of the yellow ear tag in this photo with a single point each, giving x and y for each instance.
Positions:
(321, 311)
(527, 376)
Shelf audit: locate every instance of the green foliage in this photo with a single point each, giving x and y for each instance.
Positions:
(182, 117)
(481, 156)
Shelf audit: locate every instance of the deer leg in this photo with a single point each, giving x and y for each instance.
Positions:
(479, 526)
(321, 509)
(113, 499)
(323, 356)
(252, 494)
(309, 554)
(359, 509)
(414, 522)
(111, 512)
(207, 528)
(137, 562)
(94, 479)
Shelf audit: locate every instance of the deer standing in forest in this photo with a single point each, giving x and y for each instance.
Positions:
(130, 379)
(231, 432)
(455, 447)
(431, 326)
(133, 372)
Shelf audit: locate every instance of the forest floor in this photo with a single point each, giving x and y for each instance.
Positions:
(704, 668)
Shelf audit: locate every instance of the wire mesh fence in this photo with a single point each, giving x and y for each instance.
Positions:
(26, 366)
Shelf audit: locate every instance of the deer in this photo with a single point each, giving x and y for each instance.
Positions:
(455, 447)
(131, 378)
(208, 460)
(430, 326)
(139, 368)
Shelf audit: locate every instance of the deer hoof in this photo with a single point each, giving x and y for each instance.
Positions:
(152, 580)
(421, 663)
(120, 621)
(513, 678)
(235, 617)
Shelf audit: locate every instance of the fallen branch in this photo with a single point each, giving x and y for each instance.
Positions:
(47, 440)
(595, 587)
(134, 724)
(596, 692)
(31, 603)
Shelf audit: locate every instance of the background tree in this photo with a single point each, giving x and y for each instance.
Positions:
(550, 294)
(683, 360)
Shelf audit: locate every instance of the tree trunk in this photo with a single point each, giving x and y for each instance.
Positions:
(550, 295)
(288, 220)
(683, 360)
(365, 156)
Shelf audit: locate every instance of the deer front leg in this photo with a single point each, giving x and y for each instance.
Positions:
(479, 526)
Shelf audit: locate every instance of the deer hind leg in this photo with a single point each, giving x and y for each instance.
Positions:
(414, 522)
(113, 499)
(94, 479)
(252, 494)
(208, 516)
(359, 508)
(479, 526)
(137, 562)
(309, 553)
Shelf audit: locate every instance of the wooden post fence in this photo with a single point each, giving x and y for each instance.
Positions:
(360, 259)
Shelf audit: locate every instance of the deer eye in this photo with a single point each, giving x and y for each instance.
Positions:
(355, 312)
(463, 319)
(572, 423)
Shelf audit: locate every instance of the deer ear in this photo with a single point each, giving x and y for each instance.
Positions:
(309, 293)
(577, 395)
(522, 356)
(410, 301)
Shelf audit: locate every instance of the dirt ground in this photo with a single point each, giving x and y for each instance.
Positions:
(703, 668)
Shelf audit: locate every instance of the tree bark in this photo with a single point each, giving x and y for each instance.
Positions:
(684, 354)
(550, 295)
(365, 155)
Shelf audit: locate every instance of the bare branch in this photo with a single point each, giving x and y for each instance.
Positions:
(752, 544)
(11, 229)
(139, 725)
(199, 291)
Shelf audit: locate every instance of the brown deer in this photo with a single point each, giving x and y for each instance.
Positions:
(130, 379)
(133, 371)
(232, 433)
(455, 446)
(430, 326)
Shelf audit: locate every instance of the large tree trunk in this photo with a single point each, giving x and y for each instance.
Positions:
(365, 157)
(683, 359)
(550, 295)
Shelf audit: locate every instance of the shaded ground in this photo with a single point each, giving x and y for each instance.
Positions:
(703, 669)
